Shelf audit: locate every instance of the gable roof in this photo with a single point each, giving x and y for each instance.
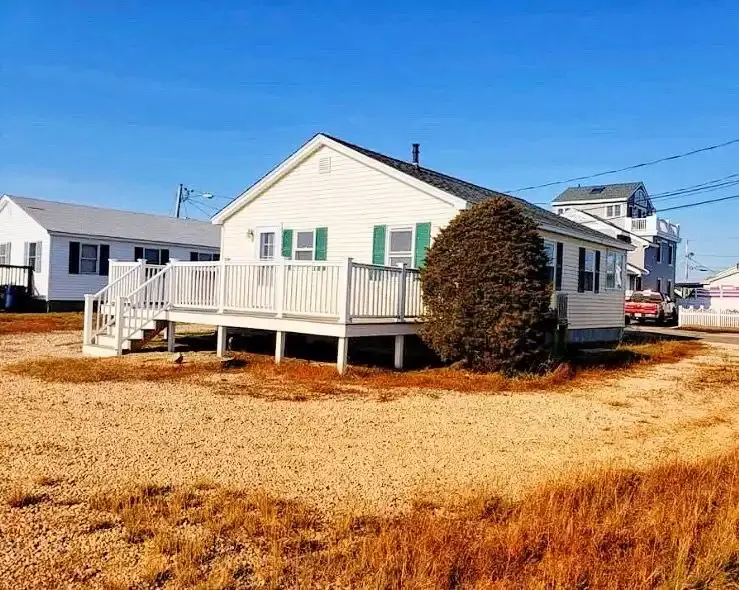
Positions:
(473, 193)
(437, 182)
(85, 220)
(724, 273)
(602, 192)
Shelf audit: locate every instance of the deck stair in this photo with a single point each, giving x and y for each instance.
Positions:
(128, 313)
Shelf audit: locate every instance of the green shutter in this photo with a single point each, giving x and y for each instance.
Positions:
(287, 243)
(321, 242)
(423, 240)
(378, 244)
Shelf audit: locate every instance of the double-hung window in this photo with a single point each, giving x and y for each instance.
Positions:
(88, 259)
(305, 245)
(400, 246)
(33, 255)
(589, 271)
(551, 251)
(670, 254)
(659, 251)
(614, 270)
(267, 245)
(5, 253)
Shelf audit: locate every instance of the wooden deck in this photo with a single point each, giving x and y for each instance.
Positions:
(342, 299)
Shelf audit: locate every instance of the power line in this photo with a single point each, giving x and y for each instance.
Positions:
(700, 203)
(625, 168)
(695, 186)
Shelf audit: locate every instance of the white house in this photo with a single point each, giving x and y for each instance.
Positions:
(69, 246)
(720, 292)
(314, 247)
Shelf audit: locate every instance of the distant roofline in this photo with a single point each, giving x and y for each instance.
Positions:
(98, 207)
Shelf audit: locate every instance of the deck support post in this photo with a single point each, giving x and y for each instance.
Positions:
(170, 336)
(399, 351)
(345, 295)
(341, 354)
(221, 341)
(118, 326)
(87, 325)
(279, 346)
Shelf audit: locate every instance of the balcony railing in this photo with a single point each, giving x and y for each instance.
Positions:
(653, 226)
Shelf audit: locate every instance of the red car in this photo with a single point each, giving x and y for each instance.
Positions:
(650, 305)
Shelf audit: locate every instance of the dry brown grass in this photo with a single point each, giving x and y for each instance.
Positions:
(674, 526)
(20, 497)
(259, 376)
(22, 323)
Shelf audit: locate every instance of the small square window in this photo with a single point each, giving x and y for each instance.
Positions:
(400, 247)
(304, 245)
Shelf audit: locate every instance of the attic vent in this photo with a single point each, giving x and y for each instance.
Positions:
(324, 165)
(597, 190)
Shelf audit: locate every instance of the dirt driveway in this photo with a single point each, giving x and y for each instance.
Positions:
(371, 453)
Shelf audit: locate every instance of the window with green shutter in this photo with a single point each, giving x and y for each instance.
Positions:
(321, 243)
(378, 244)
(287, 243)
(423, 240)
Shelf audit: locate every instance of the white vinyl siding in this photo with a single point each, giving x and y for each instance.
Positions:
(587, 310)
(73, 287)
(349, 201)
(17, 228)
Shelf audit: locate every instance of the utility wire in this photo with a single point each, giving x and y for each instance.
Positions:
(625, 168)
(695, 186)
(700, 203)
(199, 208)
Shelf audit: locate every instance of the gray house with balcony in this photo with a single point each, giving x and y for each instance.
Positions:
(626, 212)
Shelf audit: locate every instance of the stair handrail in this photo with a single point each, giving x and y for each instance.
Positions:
(126, 306)
(104, 318)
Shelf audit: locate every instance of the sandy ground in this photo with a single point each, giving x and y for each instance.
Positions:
(365, 454)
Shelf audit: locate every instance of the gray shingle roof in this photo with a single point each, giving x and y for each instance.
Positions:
(609, 192)
(85, 220)
(473, 193)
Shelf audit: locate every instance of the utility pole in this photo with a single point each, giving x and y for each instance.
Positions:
(687, 259)
(178, 202)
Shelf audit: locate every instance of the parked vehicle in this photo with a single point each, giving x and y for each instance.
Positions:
(650, 305)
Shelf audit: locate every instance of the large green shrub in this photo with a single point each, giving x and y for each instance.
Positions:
(486, 289)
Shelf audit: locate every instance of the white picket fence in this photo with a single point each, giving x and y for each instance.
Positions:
(691, 317)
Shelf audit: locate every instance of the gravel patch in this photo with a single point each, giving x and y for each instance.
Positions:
(335, 453)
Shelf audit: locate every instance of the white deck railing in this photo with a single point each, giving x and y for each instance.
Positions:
(707, 318)
(344, 291)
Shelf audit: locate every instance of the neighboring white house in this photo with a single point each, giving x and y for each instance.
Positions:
(331, 200)
(69, 246)
(719, 292)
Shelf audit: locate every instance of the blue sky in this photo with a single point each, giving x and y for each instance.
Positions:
(116, 106)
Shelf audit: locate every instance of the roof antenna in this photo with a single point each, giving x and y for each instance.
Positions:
(416, 160)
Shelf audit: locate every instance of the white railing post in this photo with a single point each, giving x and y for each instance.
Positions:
(87, 326)
(222, 287)
(345, 292)
(112, 276)
(401, 293)
(119, 325)
(280, 288)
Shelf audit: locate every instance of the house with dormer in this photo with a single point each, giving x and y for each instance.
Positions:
(626, 212)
